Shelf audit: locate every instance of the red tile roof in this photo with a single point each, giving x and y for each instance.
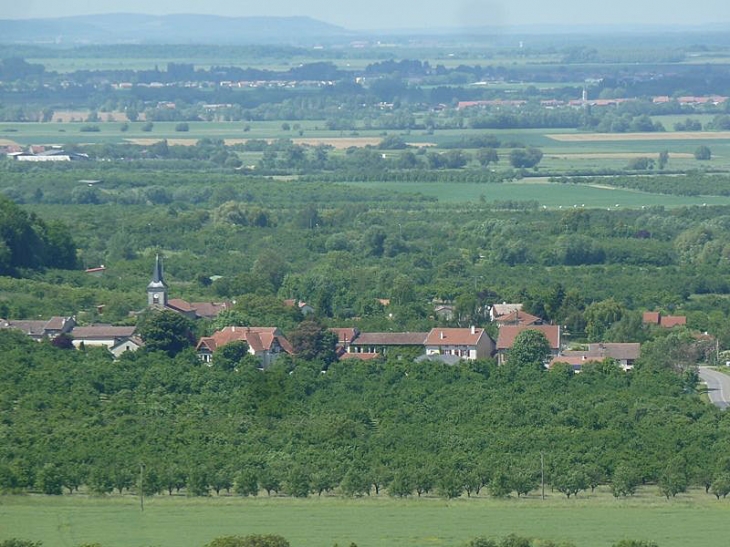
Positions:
(259, 339)
(651, 317)
(209, 310)
(667, 321)
(518, 317)
(345, 335)
(454, 336)
(670, 321)
(180, 305)
(508, 333)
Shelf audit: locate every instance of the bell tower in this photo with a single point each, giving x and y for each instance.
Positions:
(157, 289)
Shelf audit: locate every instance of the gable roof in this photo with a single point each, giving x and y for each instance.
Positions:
(670, 321)
(667, 321)
(454, 336)
(102, 332)
(652, 317)
(518, 317)
(345, 335)
(36, 327)
(259, 339)
(508, 333)
(504, 308)
(390, 339)
(209, 310)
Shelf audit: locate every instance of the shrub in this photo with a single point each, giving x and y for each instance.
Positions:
(246, 541)
(703, 153)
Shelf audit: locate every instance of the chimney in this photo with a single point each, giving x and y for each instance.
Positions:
(233, 329)
(441, 335)
(473, 329)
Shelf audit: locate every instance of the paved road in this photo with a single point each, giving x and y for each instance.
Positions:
(718, 386)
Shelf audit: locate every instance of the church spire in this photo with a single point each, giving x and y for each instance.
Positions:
(157, 273)
(157, 289)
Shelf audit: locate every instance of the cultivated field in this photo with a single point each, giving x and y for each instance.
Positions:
(596, 520)
(564, 152)
(654, 136)
(550, 195)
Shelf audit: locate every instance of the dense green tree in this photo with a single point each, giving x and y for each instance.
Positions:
(313, 342)
(230, 356)
(703, 153)
(624, 480)
(525, 158)
(166, 331)
(721, 485)
(246, 483)
(530, 350)
(570, 481)
(600, 316)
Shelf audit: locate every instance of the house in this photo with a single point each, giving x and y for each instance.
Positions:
(303, 307)
(444, 310)
(133, 343)
(44, 329)
(107, 336)
(266, 343)
(499, 310)
(666, 321)
(508, 333)
(465, 343)
(625, 354)
(345, 337)
(379, 343)
(518, 317)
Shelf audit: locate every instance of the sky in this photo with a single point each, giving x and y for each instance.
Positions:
(404, 14)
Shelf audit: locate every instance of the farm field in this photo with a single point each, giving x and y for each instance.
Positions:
(551, 195)
(592, 521)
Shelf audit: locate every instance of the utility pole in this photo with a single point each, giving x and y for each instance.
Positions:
(141, 487)
(542, 474)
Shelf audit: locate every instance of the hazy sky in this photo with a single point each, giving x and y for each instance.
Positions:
(390, 14)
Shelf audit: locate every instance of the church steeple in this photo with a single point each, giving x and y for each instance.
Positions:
(157, 289)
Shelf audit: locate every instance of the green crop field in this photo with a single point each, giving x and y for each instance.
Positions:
(590, 521)
(551, 195)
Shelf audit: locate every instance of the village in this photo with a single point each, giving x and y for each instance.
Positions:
(448, 345)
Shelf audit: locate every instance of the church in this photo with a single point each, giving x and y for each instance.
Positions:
(158, 298)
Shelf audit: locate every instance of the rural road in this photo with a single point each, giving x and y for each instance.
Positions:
(718, 386)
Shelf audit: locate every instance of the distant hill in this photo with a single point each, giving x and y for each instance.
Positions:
(170, 29)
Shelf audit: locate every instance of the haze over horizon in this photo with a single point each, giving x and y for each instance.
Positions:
(406, 14)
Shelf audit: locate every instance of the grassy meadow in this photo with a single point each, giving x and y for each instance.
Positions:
(550, 195)
(591, 520)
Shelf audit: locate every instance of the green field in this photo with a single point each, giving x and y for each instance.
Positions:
(599, 521)
(551, 195)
